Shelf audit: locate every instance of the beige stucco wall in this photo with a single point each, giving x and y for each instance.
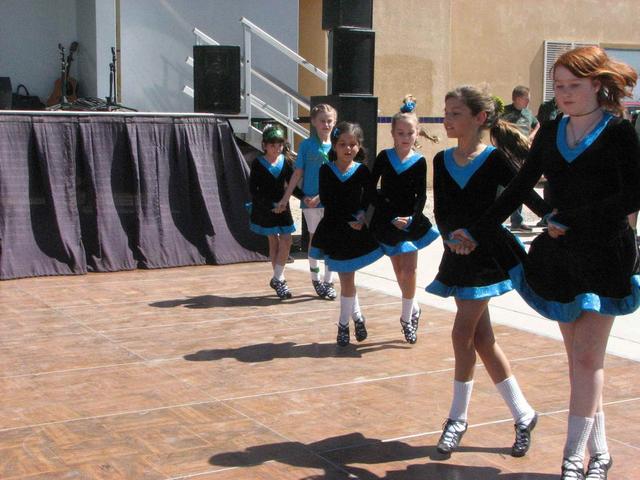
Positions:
(427, 47)
(502, 41)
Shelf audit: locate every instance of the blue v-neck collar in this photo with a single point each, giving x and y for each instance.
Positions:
(398, 165)
(570, 154)
(462, 175)
(344, 176)
(273, 168)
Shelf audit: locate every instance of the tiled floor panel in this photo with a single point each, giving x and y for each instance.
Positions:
(202, 373)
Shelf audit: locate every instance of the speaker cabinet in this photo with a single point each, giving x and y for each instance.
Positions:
(216, 79)
(347, 13)
(361, 109)
(351, 61)
(5, 93)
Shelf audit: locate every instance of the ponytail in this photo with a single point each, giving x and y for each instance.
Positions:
(510, 141)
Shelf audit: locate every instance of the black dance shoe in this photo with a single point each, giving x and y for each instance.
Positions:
(415, 318)
(409, 330)
(329, 291)
(599, 465)
(572, 468)
(319, 288)
(360, 328)
(523, 437)
(282, 290)
(343, 335)
(452, 432)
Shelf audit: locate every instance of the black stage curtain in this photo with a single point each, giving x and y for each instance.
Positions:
(113, 192)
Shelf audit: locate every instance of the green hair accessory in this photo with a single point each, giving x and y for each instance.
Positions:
(273, 134)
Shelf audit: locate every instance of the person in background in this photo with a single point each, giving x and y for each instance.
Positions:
(342, 238)
(270, 174)
(312, 154)
(548, 110)
(398, 222)
(518, 114)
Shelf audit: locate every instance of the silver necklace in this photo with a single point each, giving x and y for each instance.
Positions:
(575, 140)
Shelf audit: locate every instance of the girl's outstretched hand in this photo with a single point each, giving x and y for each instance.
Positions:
(280, 207)
(401, 222)
(312, 202)
(356, 225)
(461, 242)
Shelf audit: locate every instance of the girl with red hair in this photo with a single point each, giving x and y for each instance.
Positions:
(583, 270)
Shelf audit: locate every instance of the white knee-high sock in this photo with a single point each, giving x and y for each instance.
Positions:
(278, 272)
(515, 400)
(461, 398)
(355, 311)
(314, 269)
(328, 274)
(407, 309)
(346, 307)
(416, 308)
(598, 439)
(578, 432)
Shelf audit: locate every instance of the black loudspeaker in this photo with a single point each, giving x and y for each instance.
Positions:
(351, 59)
(347, 13)
(216, 78)
(5, 93)
(361, 109)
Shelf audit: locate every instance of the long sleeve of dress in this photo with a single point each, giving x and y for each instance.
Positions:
(420, 188)
(442, 201)
(518, 191)
(626, 198)
(532, 200)
(324, 186)
(256, 181)
(368, 190)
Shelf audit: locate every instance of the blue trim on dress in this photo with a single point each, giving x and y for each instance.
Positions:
(410, 245)
(469, 293)
(273, 168)
(280, 230)
(570, 154)
(462, 175)
(569, 312)
(344, 176)
(353, 264)
(316, 253)
(398, 165)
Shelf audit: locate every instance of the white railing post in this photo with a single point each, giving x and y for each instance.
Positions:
(247, 72)
(291, 118)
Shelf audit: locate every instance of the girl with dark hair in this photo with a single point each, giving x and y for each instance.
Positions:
(398, 222)
(583, 271)
(342, 238)
(465, 182)
(270, 173)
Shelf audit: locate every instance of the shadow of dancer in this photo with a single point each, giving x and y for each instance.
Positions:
(338, 457)
(215, 301)
(264, 352)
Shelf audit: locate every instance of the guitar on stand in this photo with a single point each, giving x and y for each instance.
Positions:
(65, 90)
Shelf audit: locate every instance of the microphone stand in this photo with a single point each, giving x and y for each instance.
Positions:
(112, 104)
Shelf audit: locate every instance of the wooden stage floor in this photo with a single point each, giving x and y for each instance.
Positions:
(202, 373)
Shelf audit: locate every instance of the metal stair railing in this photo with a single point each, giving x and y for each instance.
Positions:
(248, 97)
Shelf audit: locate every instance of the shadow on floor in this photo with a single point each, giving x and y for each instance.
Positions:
(213, 301)
(264, 352)
(339, 455)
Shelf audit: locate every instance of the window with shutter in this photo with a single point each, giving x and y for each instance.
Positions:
(552, 50)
